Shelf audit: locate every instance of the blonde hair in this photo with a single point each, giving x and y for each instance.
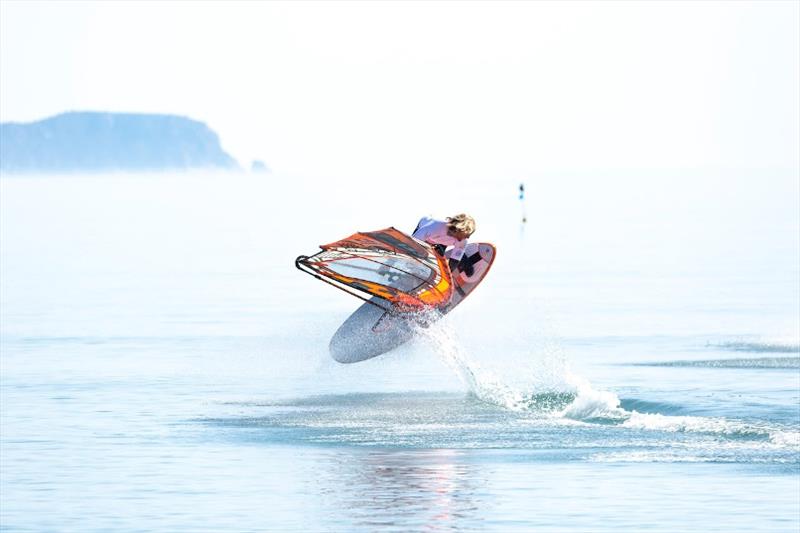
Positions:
(462, 223)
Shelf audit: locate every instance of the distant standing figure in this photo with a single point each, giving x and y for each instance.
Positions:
(522, 201)
(451, 233)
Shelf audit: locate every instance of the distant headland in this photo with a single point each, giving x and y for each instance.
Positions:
(90, 141)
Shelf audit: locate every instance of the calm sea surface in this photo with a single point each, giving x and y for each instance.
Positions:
(632, 362)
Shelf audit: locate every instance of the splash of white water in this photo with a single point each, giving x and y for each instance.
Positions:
(567, 396)
(480, 382)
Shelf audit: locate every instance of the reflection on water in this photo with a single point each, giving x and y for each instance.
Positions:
(420, 489)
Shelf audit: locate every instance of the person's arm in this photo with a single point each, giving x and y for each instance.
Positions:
(422, 234)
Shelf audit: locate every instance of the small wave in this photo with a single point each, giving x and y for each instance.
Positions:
(694, 424)
(777, 346)
(691, 456)
(774, 363)
(650, 456)
(789, 438)
(592, 405)
(646, 406)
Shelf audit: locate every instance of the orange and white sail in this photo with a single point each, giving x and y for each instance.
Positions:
(403, 272)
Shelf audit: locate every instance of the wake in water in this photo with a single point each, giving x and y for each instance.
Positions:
(566, 397)
(777, 345)
(769, 363)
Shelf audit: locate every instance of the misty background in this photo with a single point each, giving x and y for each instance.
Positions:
(443, 89)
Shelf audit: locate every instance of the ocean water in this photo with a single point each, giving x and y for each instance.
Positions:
(631, 362)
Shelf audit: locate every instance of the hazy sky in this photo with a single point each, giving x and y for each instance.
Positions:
(450, 88)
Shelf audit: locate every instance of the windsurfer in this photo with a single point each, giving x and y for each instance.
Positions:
(451, 233)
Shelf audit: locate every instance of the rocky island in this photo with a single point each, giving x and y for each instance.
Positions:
(106, 142)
